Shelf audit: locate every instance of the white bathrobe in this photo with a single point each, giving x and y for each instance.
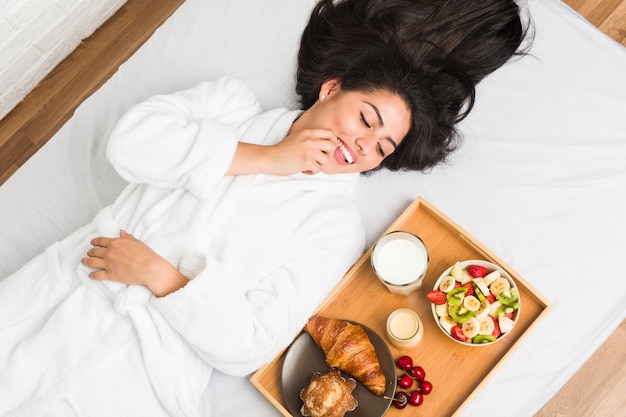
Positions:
(261, 252)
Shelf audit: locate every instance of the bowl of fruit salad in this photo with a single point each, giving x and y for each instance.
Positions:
(475, 303)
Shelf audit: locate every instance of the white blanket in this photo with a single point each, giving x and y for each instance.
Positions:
(250, 245)
(539, 179)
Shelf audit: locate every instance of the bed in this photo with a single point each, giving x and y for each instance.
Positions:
(539, 180)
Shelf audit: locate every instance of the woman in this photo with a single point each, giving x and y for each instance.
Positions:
(239, 221)
(451, 44)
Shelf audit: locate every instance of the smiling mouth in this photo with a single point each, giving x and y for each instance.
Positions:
(345, 153)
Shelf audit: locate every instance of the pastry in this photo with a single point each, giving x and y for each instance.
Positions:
(328, 395)
(348, 348)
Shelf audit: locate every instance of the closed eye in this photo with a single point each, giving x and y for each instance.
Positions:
(364, 121)
(380, 150)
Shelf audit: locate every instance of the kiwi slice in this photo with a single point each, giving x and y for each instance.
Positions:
(460, 314)
(508, 297)
(456, 295)
(483, 338)
(503, 310)
(478, 293)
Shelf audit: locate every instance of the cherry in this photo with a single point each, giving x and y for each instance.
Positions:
(418, 373)
(416, 398)
(400, 399)
(405, 381)
(405, 362)
(426, 387)
(411, 373)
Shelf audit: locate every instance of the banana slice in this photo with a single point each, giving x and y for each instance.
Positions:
(483, 310)
(482, 286)
(447, 284)
(471, 303)
(441, 310)
(491, 277)
(447, 323)
(499, 285)
(486, 325)
(471, 327)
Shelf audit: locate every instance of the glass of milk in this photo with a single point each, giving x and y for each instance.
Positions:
(400, 260)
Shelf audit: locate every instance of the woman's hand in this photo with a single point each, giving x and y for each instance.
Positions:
(130, 261)
(301, 151)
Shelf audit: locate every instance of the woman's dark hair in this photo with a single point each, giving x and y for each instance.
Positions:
(429, 52)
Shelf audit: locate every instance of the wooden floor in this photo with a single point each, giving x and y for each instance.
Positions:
(596, 390)
(34, 121)
(607, 15)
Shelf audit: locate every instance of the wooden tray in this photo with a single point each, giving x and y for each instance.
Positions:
(457, 372)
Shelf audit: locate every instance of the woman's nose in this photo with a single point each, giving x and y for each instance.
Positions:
(365, 144)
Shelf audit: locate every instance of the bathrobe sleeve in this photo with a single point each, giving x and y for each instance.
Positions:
(182, 139)
(237, 329)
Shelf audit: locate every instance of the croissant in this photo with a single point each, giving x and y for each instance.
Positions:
(348, 348)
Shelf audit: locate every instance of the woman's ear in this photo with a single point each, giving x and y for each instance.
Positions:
(329, 88)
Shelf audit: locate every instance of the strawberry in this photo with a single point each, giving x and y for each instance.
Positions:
(496, 328)
(437, 297)
(458, 334)
(491, 298)
(470, 288)
(477, 271)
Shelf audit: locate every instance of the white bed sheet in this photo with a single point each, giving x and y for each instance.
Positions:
(540, 179)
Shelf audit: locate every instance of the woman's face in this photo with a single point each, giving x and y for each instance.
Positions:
(367, 126)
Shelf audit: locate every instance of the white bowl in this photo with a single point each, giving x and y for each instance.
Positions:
(491, 267)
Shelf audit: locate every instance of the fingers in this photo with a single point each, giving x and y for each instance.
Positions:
(103, 242)
(100, 274)
(93, 262)
(325, 139)
(96, 255)
(125, 235)
(97, 252)
(122, 259)
(305, 150)
(320, 139)
(319, 147)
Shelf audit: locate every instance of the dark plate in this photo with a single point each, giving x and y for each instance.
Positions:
(304, 358)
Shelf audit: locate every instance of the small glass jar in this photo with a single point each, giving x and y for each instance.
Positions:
(404, 328)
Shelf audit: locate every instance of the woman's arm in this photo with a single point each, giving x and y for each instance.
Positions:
(182, 140)
(237, 327)
(301, 151)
